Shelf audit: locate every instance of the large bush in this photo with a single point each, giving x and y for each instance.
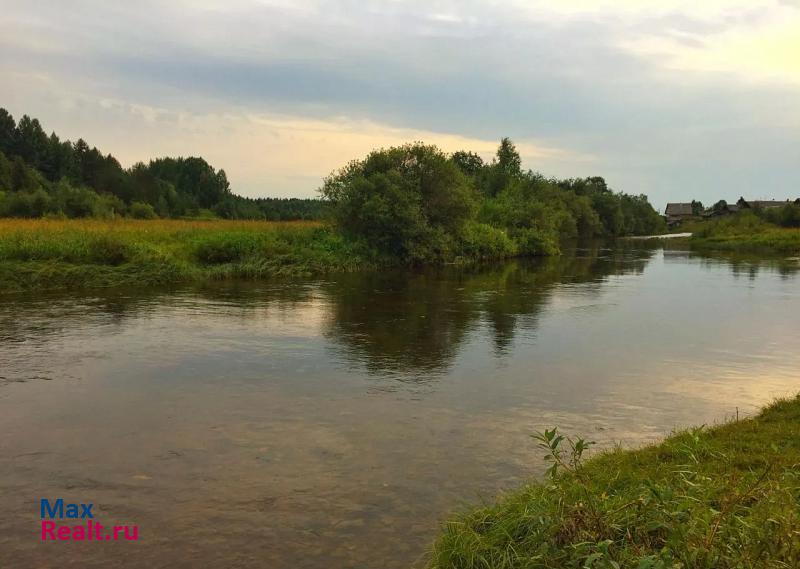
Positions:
(409, 201)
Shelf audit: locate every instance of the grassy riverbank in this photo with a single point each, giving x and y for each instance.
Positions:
(746, 233)
(723, 497)
(40, 254)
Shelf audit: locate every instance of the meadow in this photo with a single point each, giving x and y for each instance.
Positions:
(54, 253)
(722, 497)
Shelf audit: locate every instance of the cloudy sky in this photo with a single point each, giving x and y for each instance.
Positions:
(677, 99)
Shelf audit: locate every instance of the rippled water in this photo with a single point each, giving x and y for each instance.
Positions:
(335, 423)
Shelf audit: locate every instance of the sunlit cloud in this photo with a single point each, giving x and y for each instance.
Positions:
(766, 49)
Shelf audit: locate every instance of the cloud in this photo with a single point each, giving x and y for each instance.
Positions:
(643, 92)
(272, 154)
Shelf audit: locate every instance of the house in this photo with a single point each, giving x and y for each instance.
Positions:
(677, 212)
(767, 204)
(761, 204)
(721, 208)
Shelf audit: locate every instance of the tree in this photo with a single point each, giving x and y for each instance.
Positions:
(508, 159)
(23, 179)
(697, 207)
(30, 141)
(468, 162)
(720, 207)
(5, 173)
(505, 170)
(7, 132)
(408, 201)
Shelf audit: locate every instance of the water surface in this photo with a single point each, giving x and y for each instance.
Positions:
(335, 423)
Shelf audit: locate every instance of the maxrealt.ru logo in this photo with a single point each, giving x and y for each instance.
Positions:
(88, 529)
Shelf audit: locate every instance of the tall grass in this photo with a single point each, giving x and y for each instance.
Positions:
(720, 498)
(746, 232)
(55, 253)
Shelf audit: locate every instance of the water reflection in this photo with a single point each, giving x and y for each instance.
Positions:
(407, 324)
(335, 422)
(416, 323)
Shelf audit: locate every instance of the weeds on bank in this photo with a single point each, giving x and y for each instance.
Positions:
(38, 254)
(746, 232)
(727, 497)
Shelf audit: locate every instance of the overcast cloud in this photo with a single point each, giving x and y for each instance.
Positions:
(674, 99)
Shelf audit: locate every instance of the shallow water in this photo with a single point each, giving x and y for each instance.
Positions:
(335, 423)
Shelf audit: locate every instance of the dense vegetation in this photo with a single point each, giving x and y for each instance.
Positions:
(52, 253)
(415, 202)
(403, 205)
(726, 497)
(775, 230)
(43, 175)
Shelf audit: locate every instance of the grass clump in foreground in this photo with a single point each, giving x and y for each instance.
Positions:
(724, 497)
(38, 254)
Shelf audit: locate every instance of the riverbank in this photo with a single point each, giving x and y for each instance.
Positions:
(722, 497)
(745, 233)
(48, 254)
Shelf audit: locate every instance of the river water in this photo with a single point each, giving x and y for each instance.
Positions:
(336, 423)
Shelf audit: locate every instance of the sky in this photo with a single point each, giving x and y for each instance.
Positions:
(676, 99)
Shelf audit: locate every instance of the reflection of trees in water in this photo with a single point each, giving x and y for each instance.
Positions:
(416, 322)
(744, 265)
(406, 322)
(38, 316)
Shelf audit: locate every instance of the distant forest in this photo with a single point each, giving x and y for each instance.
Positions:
(42, 175)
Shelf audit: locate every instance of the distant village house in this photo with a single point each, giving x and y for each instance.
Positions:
(678, 212)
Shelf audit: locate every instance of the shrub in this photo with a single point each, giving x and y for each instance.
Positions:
(482, 241)
(27, 204)
(141, 210)
(790, 215)
(408, 201)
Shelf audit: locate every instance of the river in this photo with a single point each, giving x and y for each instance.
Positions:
(336, 422)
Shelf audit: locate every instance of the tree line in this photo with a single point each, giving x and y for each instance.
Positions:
(44, 175)
(419, 203)
(413, 202)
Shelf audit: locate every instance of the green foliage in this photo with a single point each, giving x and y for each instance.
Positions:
(786, 216)
(27, 204)
(142, 210)
(409, 202)
(228, 247)
(405, 202)
(720, 498)
(174, 187)
(766, 231)
(53, 252)
(468, 162)
(483, 241)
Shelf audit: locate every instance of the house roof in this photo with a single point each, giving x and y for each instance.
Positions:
(767, 203)
(678, 209)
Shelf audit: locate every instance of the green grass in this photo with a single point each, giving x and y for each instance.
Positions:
(746, 233)
(42, 254)
(37, 254)
(722, 497)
